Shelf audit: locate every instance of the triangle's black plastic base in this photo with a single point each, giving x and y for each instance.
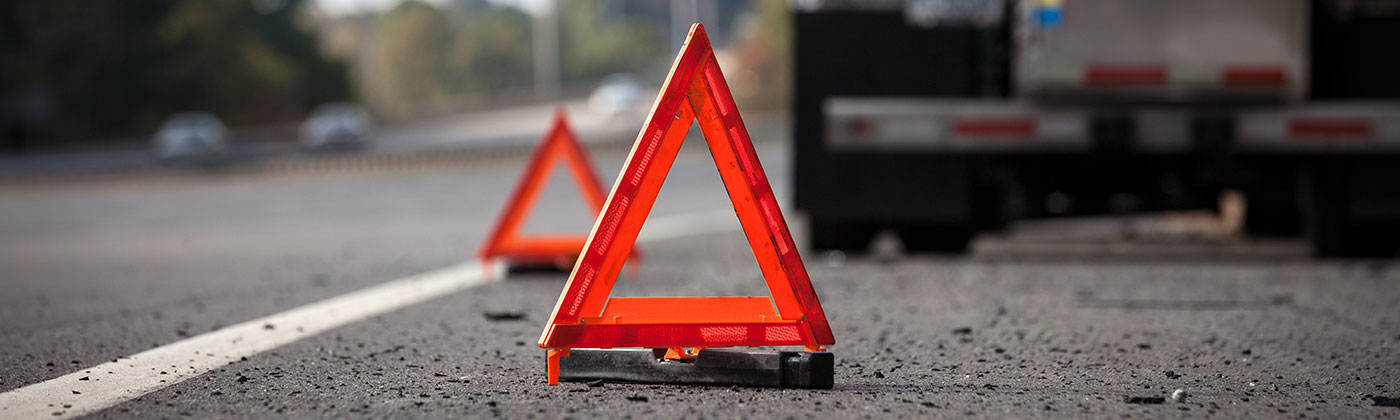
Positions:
(743, 367)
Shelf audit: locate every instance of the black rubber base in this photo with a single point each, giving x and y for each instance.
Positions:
(536, 268)
(765, 368)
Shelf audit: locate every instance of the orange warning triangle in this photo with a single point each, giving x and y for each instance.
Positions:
(585, 317)
(505, 241)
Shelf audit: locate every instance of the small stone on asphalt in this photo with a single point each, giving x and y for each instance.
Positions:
(1179, 395)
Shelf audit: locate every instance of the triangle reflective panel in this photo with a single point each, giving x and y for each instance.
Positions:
(584, 316)
(506, 242)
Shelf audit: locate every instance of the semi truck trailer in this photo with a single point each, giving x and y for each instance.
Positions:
(940, 119)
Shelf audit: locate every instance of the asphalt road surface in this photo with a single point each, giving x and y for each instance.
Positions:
(1045, 321)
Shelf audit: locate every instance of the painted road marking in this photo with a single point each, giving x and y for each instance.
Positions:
(127, 378)
(115, 382)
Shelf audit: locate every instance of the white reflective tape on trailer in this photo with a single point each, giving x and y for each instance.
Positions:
(1161, 130)
(1067, 128)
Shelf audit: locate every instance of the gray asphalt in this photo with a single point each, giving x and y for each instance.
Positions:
(916, 338)
(94, 272)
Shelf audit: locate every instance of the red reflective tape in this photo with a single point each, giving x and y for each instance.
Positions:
(1254, 76)
(724, 334)
(782, 333)
(678, 335)
(774, 219)
(1330, 127)
(641, 169)
(610, 228)
(751, 169)
(718, 88)
(1125, 75)
(580, 290)
(994, 127)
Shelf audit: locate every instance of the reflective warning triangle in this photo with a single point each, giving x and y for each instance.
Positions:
(505, 241)
(584, 316)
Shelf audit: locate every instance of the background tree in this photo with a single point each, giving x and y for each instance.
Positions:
(105, 68)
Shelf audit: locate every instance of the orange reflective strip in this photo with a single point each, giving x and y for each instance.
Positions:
(660, 335)
(680, 310)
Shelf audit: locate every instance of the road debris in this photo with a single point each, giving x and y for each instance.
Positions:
(1179, 395)
(1380, 401)
(504, 315)
(637, 398)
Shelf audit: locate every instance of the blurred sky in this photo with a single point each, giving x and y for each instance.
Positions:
(341, 7)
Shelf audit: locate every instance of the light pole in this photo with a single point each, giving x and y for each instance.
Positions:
(545, 37)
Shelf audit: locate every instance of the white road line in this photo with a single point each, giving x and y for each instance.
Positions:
(111, 383)
(108, 384)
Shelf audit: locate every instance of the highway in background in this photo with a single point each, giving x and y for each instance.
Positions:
(492, 129)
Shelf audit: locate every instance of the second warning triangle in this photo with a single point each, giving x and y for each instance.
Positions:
(507, 243)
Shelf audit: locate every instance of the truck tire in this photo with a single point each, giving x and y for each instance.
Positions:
(1353, 213)
(847, 236)
(1272, 213)
(935, 237)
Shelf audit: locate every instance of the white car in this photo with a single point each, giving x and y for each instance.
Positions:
(190, 134)
(618, 96)
(336, 125)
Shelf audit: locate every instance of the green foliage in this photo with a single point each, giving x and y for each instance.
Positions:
(594, 46)
(116, 67)
(425, 59)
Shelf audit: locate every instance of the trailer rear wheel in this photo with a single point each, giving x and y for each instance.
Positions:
(1352, 213)
(846, 236)
(935, 237)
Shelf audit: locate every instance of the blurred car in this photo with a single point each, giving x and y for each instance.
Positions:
(190, 134)
(337, 125)
(617, 95)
